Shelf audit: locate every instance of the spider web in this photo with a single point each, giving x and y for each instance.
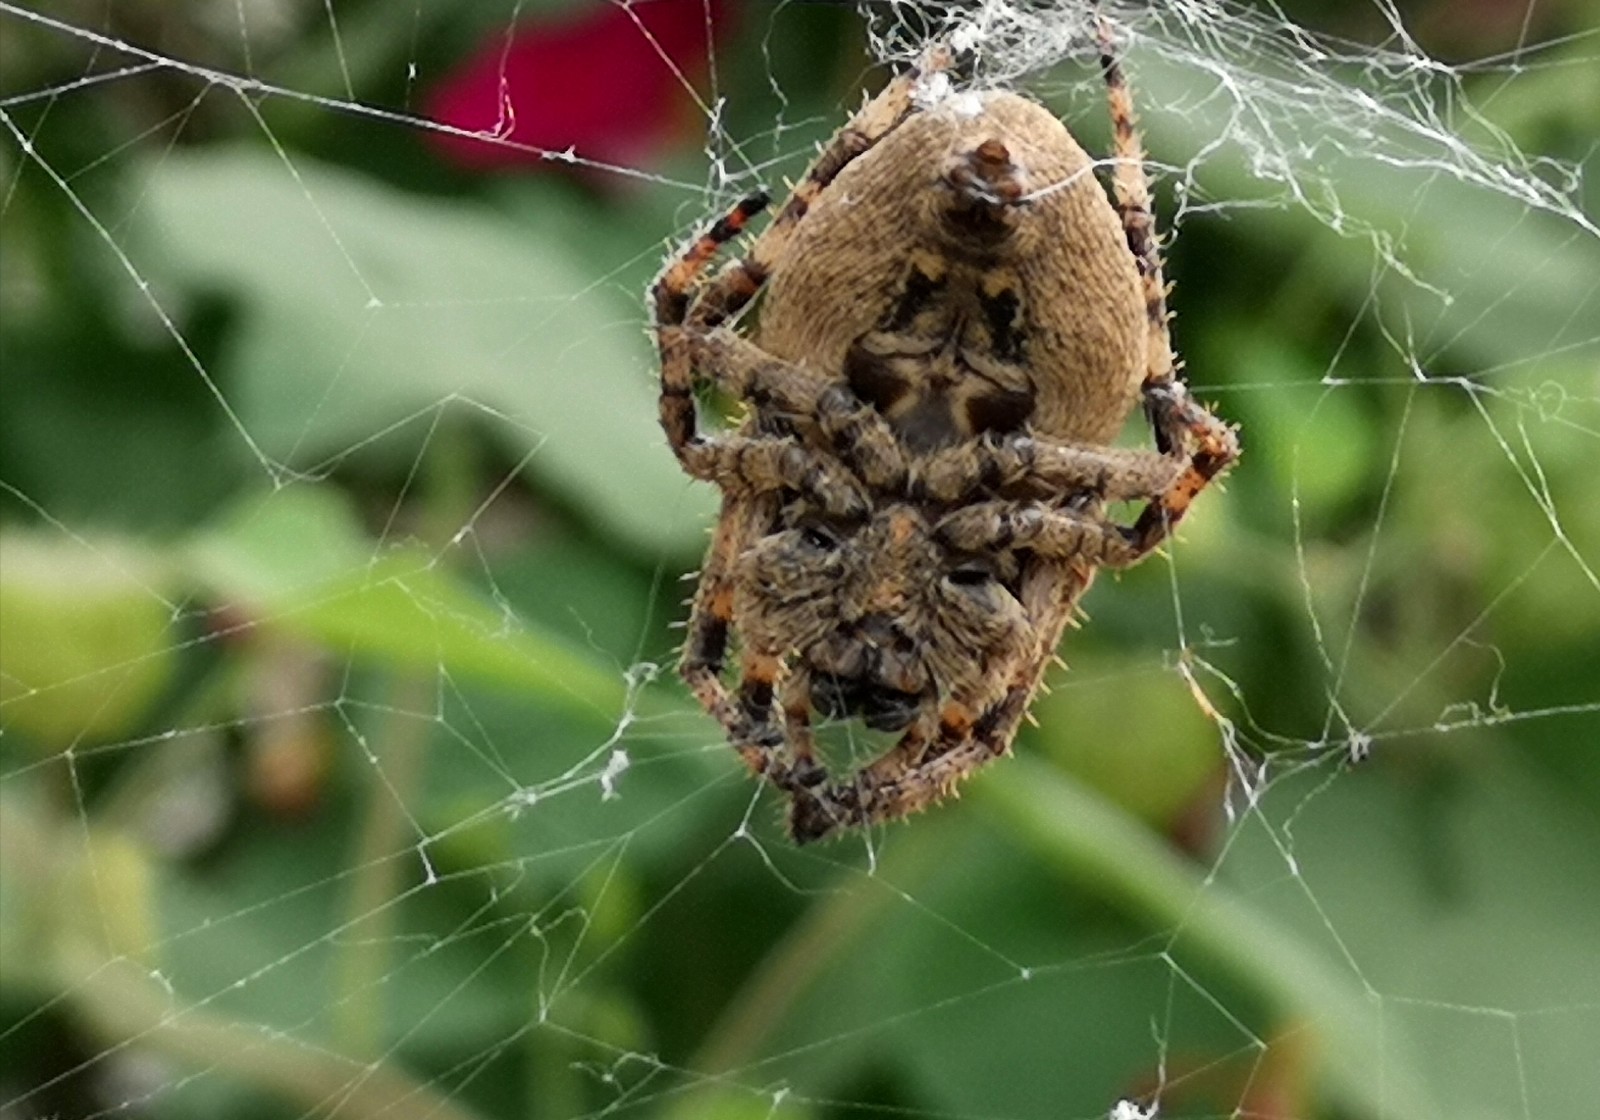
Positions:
(343, 772)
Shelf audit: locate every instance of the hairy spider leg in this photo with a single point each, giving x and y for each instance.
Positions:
(851, 431)
(782, 754)
(749, 466)
(1037, 467)
(1174, 415)
(885, 789)
(710, 623)
(739, 280)
(671, 300)
(928, 765)
(857, 434)
(735, 462)
(749, 470)
(1042, 529)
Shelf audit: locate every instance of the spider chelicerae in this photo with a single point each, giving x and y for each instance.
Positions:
(955, 322)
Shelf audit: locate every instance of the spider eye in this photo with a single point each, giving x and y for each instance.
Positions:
(818, 538)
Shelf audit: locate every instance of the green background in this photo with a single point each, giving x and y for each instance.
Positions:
(319, 632)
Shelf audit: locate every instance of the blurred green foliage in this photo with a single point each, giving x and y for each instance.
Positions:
(319, 628)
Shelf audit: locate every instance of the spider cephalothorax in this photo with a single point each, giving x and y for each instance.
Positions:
(955, 323)
(884, 616)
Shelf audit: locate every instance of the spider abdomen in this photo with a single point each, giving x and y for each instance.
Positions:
(950, 334)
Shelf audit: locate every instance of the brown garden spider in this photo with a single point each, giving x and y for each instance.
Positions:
(954, 326)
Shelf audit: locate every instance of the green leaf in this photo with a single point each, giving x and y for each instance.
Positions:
(1135, 736)
(366, 309)
(1084, 838)
(87, 642)
(1313, 440)
(1461, 895)
(296, 561)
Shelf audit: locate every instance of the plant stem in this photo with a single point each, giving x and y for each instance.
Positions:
(1095, 845)
(379, 869)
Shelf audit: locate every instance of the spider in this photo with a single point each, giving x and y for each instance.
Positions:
(955, 322)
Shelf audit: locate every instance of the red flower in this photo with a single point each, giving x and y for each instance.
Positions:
(608, 85)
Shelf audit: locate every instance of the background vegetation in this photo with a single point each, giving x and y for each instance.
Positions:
(319, 631)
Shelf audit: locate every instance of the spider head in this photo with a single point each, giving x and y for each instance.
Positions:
(882, 617)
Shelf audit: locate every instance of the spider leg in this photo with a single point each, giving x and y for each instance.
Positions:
(796, 699)
(1175, 416)
(1217, 449)
(854, 432)
(747, 714)
(711, 616)
(1048, 532)
(920, 770)
(857, 433)
(1043, 468)
(928, 763)
(1131, 189)
(739, 280)
(1051, 591)
(818, 810)
(671, 297)
(784, 755)
(749, 466)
